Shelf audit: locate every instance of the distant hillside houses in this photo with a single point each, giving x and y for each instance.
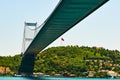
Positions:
(4, 70)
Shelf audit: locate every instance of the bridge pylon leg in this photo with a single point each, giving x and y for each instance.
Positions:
(27, 64)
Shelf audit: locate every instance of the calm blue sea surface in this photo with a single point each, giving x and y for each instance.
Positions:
(63, 78)
(15, 78)
(52, 78)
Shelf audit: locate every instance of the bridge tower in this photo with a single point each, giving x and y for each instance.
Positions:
(30, 31)
(28, 59)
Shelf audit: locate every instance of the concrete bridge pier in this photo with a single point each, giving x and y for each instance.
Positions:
(27, 64)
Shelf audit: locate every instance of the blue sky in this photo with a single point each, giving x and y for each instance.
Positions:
(101, 28)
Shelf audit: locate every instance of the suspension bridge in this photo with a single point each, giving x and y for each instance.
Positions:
(65, 16)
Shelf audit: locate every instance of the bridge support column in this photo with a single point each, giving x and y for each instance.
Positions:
(27, 64)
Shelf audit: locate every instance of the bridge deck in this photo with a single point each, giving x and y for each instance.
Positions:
(67, 14)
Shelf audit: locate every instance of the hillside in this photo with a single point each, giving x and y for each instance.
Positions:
(77, 60)
(9, 64)
(70, 60)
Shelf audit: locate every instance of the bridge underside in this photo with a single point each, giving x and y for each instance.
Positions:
(67, 14)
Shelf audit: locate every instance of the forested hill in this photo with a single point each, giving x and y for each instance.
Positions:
(9, 64)
(70, 59)
(76, 60)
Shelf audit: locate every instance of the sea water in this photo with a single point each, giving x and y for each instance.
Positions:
(54, 78)
(15, 78)
(64, 78)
